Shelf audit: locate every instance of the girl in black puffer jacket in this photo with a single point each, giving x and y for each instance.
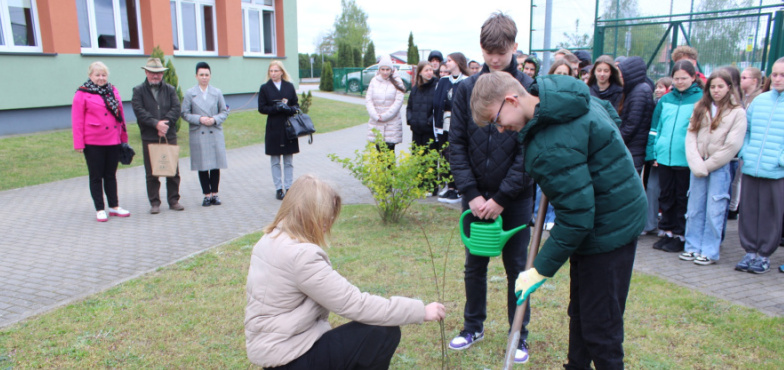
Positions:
(635, 108)
(419, 111)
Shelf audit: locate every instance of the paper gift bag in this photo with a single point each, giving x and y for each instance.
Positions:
(164, 158)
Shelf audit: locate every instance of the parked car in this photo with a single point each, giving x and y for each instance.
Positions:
(358, 81)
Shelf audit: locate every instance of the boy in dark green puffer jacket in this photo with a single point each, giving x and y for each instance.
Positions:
(574, 151)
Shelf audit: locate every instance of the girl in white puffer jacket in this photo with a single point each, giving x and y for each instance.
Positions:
(383, 101)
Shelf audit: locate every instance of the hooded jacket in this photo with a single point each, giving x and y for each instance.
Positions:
(574, 151)
(485, 162)
(612, 94)
(419, 111)
(667, 138)
(637, 106)
(763, 146)
(535, 61)
(435, 54)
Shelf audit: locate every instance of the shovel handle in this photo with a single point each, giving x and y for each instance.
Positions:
(517, 323)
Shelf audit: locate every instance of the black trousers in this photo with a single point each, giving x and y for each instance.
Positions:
(154, 184)
(514, 256)
(102, 163)
(350, 346)
(209, 181)
(597, 300)
(674, 184)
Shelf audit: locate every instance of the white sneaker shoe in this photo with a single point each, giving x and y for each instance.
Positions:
(119, 212)
(101, 216)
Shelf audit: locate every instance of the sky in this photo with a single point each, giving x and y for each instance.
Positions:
(449, 29)
(434, 25)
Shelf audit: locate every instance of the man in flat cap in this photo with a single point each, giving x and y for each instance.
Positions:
(157, 109)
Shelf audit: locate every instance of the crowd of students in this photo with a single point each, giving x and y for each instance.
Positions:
(689, 136)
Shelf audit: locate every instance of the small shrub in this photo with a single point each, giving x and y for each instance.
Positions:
(305, 101)
(326, 83)
(395, 182)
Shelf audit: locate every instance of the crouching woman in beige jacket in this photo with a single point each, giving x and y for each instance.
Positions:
(292, 288)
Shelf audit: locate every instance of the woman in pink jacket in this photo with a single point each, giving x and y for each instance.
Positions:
(383, 101)
(98, 131)
(292, 288)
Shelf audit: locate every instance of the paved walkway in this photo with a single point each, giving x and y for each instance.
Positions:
(54, 252)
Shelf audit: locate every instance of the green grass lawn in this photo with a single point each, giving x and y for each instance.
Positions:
(45, 157)
(190, 314)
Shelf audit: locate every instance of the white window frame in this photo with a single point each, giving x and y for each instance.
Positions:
(199, 27)
(120, 49)
(246, 7)
(8, 35)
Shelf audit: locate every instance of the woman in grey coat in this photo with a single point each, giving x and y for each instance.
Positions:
(205, 110)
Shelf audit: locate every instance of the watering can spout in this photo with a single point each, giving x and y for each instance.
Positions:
(506, 235)
(487, 238)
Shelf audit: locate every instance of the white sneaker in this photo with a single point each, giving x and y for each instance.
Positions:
(119, 212)
(101, 216)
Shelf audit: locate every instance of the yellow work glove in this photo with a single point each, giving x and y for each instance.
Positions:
(527, 282)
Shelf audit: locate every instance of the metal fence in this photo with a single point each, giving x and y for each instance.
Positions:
(351, 80)
(743, 36)
(739, 37)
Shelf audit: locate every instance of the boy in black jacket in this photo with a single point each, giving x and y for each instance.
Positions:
(488, 169)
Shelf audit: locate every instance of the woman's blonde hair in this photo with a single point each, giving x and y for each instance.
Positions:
(308, 211)
(97, 66)
(279, 64)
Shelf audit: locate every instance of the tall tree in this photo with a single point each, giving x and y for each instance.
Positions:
(357, 57)
(370, 55)
(345, 56)
(413, 50)
(351, 25)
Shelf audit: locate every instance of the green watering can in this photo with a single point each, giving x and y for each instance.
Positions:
(487, 238)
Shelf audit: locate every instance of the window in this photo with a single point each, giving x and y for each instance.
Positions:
(258, 25)
(19, 26)
(109, 26)
(193, 27)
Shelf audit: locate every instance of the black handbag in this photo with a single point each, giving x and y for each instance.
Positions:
(298, 125)
(126, 154)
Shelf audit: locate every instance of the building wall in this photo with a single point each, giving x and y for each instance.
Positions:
(45, 83)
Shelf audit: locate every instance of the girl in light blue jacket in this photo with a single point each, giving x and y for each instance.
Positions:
(762, 195)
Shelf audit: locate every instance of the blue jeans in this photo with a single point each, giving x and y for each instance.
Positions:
(549, 217)
(706, 212)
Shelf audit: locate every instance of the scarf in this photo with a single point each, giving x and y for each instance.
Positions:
(107, 93)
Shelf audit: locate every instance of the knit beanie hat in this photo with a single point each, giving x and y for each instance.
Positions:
(385, 61)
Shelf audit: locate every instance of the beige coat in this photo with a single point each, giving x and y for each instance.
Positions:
(382, 98)
(291, 290)
(707, 151)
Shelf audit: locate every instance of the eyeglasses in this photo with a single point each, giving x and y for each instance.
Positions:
(494, 122)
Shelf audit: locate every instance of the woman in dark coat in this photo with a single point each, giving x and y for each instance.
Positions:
(635, 108)
(605, 81)
(278, 100)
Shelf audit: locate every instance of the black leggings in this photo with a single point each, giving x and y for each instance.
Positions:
(350, 346)
(209, 181)
(102, 167)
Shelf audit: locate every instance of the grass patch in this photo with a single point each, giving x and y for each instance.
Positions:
(190, 315)
(45, 157)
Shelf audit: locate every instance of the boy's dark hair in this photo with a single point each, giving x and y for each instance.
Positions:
(203, 65)
(498, 33)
